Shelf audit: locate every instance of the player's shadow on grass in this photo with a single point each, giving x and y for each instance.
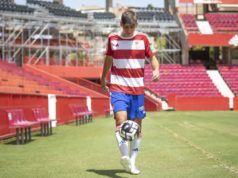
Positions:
(110, 173)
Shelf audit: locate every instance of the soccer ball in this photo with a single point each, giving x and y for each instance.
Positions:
(129, 130)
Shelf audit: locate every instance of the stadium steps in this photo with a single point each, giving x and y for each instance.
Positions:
(161, 102)
(221, 85)
(204, 27)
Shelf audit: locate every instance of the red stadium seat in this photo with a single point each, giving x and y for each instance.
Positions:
(190, 80)
(230, 75)
(41, 116)
(23, 127)
(81, 113)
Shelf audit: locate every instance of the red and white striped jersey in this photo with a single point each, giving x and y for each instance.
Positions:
(128, 54)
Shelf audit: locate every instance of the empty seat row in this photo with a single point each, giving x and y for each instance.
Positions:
(38, 83)
(16, 8)
(103, 15)
(230, 75)
(154, 9)
(67, 13)
(7, 2)
(223, 21)
(58, 9)
(150, 15)
(181, 83)
(189, 22)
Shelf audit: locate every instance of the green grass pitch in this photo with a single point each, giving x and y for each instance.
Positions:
(174, 145)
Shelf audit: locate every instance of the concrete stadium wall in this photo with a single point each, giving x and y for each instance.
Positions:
(151, 105)
(171, 99)
(201, 103)
(63, 112)
(99, 105)
(236, 103)
(27, 102)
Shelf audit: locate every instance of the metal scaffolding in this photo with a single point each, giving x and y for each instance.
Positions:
(49, 39)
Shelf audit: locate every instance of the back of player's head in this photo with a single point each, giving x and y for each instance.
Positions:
(129, 18)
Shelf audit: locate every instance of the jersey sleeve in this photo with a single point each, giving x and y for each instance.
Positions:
(148, 51)
(109, 48)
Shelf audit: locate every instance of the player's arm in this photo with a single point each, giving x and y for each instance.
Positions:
(106, 66)
(155, 68)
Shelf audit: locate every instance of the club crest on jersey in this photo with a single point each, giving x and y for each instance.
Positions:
(138, 45)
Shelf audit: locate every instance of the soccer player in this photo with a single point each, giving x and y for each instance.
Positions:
(125, 58)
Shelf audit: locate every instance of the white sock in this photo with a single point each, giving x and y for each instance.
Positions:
(122, 144)
(135, 144)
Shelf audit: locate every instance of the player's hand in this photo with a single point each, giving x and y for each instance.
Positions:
(155, 75)
(104, 86)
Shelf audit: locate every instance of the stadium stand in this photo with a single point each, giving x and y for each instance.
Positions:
(223, 22)
(8, 5)
(61, 84)
(16, 80)
(104, 16)
(58, 9)
(191, 80)
(27, 80)
(156, 14)
(230, 75)
(208, 26)
(190, 23)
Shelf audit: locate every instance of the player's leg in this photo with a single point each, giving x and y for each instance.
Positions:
(136, 113)
(120, 117)
(134, 149)
(119, 103)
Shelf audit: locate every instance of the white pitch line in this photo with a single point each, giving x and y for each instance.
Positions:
(207, 154)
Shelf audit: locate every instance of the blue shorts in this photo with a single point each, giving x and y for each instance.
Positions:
(133, 104)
